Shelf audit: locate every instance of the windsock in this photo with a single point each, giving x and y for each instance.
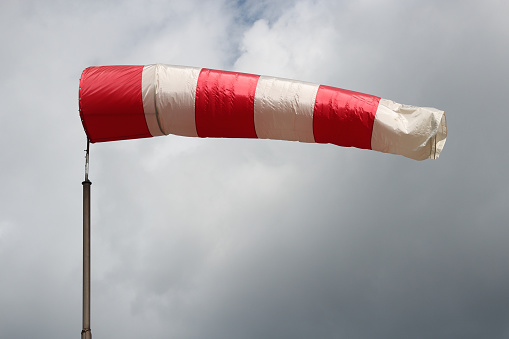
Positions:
(129, 102)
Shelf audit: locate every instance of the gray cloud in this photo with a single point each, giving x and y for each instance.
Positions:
(198, 238)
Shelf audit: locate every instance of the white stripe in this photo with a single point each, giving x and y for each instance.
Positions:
(283, 109)
(175, 99)
(148, 93)
(416, 132)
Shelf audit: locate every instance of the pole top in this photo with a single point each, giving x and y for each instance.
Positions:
(87, 154)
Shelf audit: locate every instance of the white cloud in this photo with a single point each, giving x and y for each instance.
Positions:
(298, 43)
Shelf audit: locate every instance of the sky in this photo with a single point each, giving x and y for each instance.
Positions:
(215, 238)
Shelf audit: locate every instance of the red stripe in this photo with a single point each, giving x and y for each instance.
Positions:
(111, 104)
(225, 104)
(344, 118)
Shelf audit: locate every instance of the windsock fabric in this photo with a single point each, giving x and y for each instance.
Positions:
(129, 102)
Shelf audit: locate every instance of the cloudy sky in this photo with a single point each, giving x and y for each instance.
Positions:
(212, 238)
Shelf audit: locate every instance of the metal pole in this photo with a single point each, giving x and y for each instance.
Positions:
(86, 332)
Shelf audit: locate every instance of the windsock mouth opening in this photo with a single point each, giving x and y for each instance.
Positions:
(80, 94)
(439, 140)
